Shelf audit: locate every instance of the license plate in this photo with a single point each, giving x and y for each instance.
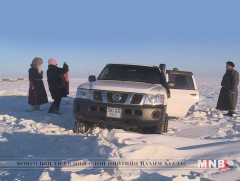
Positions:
(114, 112)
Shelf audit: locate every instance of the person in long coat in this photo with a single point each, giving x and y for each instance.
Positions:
(66, 78)
(227, 100)
(56, 83)
(37, 93)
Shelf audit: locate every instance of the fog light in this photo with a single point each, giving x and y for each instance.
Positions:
(156, 114)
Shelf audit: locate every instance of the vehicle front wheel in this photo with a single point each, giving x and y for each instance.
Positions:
(80, 127)
(162, 127)
(165, 124)
(159, 129)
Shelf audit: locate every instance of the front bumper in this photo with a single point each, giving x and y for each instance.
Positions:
(133, 116)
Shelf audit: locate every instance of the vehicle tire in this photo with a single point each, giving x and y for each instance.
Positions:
(80, 127)
(159, 129)
(165, 124)
(162, 127)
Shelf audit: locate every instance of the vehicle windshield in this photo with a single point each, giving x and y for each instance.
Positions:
(132, 73)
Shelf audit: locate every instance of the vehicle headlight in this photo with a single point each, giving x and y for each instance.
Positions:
(154, 99)
(84, 94)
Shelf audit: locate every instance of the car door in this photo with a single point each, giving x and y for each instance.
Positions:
(184, 93)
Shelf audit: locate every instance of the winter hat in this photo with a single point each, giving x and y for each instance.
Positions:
(52, 61)
(36, 61)
(230, 63)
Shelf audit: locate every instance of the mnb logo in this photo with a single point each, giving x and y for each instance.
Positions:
(221, 164)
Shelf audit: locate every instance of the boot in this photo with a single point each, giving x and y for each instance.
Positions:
(51, 109)
(37, 108)
(230, 113)
(56, 110)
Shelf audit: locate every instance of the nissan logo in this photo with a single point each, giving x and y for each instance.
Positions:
(116, 97)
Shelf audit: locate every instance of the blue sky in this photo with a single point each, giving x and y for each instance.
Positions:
(198, 36)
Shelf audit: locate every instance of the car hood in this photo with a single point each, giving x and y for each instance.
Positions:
(123, 86)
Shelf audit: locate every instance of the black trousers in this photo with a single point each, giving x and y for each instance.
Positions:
(57, 102)
(55, 106)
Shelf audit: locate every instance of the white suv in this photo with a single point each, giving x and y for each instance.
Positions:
(134, 97)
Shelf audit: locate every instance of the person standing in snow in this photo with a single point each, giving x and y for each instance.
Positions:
(66, 78)
(227, 100)
(56, 83)
(37, 93)
(162, 68)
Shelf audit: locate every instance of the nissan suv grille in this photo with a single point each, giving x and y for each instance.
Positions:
(117, 97)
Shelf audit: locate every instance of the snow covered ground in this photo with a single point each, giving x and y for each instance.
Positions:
(203, 134)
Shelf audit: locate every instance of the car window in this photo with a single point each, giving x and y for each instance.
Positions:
(182, 81)
(132, 73)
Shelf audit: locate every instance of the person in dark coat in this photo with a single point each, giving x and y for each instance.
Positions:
(227, 100)
(37, 93)
(66, 78)
(162, 68)
(56, 83)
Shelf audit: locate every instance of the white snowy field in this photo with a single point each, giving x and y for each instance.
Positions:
(203, 134)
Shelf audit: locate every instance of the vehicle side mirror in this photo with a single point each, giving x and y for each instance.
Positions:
(92, 78)
(171, 85)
